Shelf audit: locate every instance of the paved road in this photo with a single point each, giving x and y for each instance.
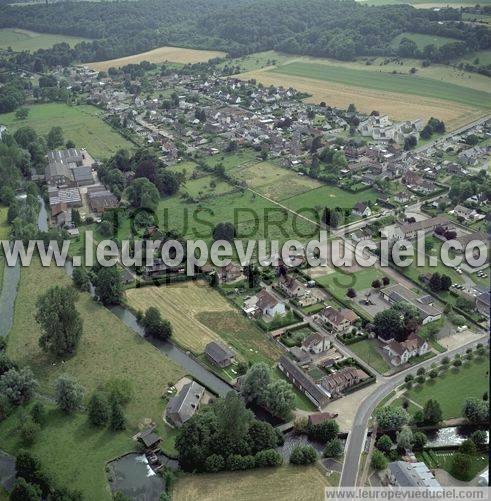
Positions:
(356, 438)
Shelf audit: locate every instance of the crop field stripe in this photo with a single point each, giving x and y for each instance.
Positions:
(405, 84)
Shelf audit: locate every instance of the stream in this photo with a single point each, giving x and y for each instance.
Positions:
(190, 365)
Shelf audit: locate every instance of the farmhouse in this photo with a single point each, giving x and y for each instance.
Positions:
(400, 353)
(398, 292)
(58, 174)
(219, 355)
(82, 175)
(65, 197)
(184, 405)
(316, 343)
(464, 212)
(339, 320)
(334, 384)
(362, 209)
(101, 199)
(229, 273)
(303, 382)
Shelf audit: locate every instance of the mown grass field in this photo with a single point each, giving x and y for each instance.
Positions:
(367, 351)
(82, 124)
(273, 181)
(71, 450)
(302, 483)
(180, 304)
(454, 386)
(160, 55)
(199, 315)
(340, 89)
(21, 40)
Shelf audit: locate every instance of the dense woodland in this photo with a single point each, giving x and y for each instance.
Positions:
(341, 29)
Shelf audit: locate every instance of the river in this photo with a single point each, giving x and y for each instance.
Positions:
(180, 357)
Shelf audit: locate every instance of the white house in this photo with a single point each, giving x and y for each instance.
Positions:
(269, 305)
(316, 343)
(362, 209)
(400, 353)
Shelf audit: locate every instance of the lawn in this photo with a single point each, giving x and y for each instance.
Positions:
(21, 40)
(241, 334)
(422, 40)
(253, 216)
(438, 458)
(454, 386)
(338, 282)
(302, 483)
(368, 352)
(328, 196)
(273, 181)
(82, 124)
(160, 55)
(404, 84)
(73, 452)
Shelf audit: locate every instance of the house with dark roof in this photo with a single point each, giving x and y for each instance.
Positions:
(303, 382)
(362, 209)
(184, 405)
(397, 292)
(334, 384)
(58, 174)
(291, 286)
(82, 175)
(149, 439)
(101, 200)
(400, 352)
(340, 320)
(316, 343)
(320, 417)
(269, 305)
(218, 354)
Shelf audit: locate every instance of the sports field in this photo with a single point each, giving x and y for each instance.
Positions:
(453, 95)
(160, 55)
(21, 40)
(82, 124)
(302, 483)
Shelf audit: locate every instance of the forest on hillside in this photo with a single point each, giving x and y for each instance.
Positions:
(341, 29)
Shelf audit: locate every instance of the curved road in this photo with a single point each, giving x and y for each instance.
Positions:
(357, 436)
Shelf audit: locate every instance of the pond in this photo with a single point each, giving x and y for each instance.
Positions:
(450, 436)
(292, 440)
(132, 476)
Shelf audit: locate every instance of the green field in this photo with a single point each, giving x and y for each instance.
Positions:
(71, 451)
(421, 40)
(404, 84)
(82, 124)
(338, 282)
(452, 387)
(20, 40)
(328, 196)
(368, 352)
(483, 58)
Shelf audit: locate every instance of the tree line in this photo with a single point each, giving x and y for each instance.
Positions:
(333, 28)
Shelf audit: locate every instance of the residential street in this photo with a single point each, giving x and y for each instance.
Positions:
(356, 439)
